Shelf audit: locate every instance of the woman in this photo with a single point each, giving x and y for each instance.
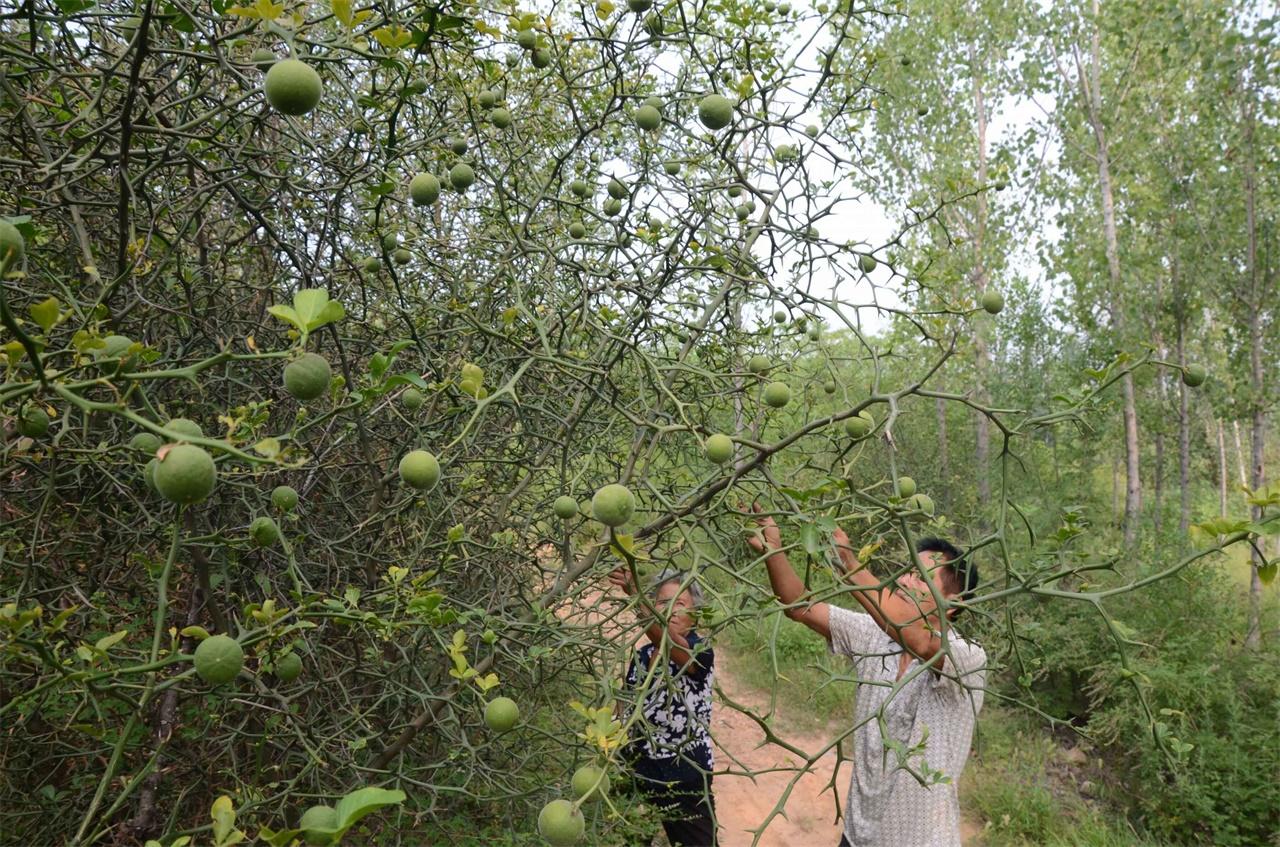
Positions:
(670, 745)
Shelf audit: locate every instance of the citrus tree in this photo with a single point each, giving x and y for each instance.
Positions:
(346, 347)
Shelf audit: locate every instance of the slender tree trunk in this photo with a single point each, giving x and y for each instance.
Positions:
(944, 459)
(1253, 636)
(1222, 471)
(982, 448)
(1184, 438)
(1092, 90)
(1115, 486)
(1244, 476)
(1162, 395)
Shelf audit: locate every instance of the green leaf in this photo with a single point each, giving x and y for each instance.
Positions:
(392, 37)
(286, 313)
(281, 838)
(197, 632)
(411, 379)
(364, 801)
(108, 641)
(811, 538)
(268, 447)
(45, 313)
(1267, 572)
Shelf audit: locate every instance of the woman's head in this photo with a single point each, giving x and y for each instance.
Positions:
(672, 597)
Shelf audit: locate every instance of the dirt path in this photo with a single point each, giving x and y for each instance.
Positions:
(744, 803)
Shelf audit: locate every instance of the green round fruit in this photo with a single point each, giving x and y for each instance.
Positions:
(412, 399)
(219, 659)
(293, 87)
(719, 448)
(307, 377)
(458, 145)
(579, 187)
(181, 429)
(263, 59)
(540, 58)
(424, 189)
(318, 818)
(264, 531)
(715, 111)
(284, 498)
(561, 824)
(527, 38)
(779, 317)
(906, 486)
(146, 442)
(149, 474)
(786, 153)
(867, 262)
(859, 425)
(390, 241)
(759, 364)
(613, 505)
(487, 98)
(186, 474)
(648, 118)
(372, 264)
(992, 301)
(500, 118)
(401, 256)
(654, 25)
(921, 502)
(777, 394)
(565, 507)
(419, 469)
(671, 167)
(288, 667)
(590, 783)
(1193, 376)
(612, 206)
(828, 387)
(639, 6)
(617, 190)
(501, 714)
(416, 86)
(12, 245)
(462, 176)
(116, 347)
(742, 211)
(922, 111)
(577, 230)
(812, 130)
(33, 422)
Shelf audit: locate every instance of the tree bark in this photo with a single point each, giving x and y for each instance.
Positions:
(982, 444)
(1244, 476)
(1184, 437)
(1092, 90)
(1253, 636)
(1222, 471)
(944, 459)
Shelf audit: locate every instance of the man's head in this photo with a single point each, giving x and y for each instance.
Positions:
(673, 600)
(955, 574)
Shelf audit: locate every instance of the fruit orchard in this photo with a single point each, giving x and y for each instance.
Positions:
(344, 344)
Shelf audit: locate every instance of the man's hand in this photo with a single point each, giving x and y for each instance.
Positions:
(845, 549)
(621, 577)
(768, 539)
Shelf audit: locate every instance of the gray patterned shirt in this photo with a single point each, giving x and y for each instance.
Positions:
(923, 729)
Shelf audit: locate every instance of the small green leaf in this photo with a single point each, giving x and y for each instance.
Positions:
(197, 632)
(268, 447)
(45, 313)
(286, 313)
(108, 641)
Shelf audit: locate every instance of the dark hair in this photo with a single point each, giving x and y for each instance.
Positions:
(960, 567)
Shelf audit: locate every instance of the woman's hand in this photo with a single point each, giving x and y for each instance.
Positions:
(767, 539)
(621, 577)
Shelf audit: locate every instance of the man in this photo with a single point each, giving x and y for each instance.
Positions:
(920, 686)
(670, 742)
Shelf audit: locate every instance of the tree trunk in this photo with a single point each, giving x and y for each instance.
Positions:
(1253, 636)
(1222, 471)
(1244, 476)
(944, 460)
(1184, 438)
(1115, 486)
(982, 448)
(1092, 90)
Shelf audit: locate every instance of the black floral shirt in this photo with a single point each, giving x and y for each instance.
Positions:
(671, 741)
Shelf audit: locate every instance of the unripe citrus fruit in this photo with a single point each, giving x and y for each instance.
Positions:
(777, 394)
(992, 301)
(540, 58)
(867, 262)
(565, 507)
(639, 6)
(424, 189)
(779, 317)
(1193, 376)
(671, 166)
(612, 206)
(307, 377)
(263, 59)
(561, 823)
(617, 190)
(412, 399)
(289, 667)
(219, 659)
(461, 176)
(12, 245)
(648, 118)
(186, 474)
(577, 230)
(416, 86)
(785, 153)
(182, 428)
(829, 387)
(149, 473)
(859, 425)
(500, 118)
(613, 505)
(293, 87)
(812, 130)
(527, 38)
(719, 448)
(264, 531)
(653, 24)
(145, 442)
(318, 818)
(742, 211)
(501, 714)
(590, 783)
(401, 256)
(419, 469)
(390, 241)
(116, 348)
(759, 364)
(715, 111)
(579, 187)
(921, 502)
(284, 498)
(485, 99)
(33, 422)
(906, 486)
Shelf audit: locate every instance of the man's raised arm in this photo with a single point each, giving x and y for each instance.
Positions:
(787, 587)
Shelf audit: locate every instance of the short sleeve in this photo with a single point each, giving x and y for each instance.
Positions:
(700, 651)
(964, 670)
(854, 634)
